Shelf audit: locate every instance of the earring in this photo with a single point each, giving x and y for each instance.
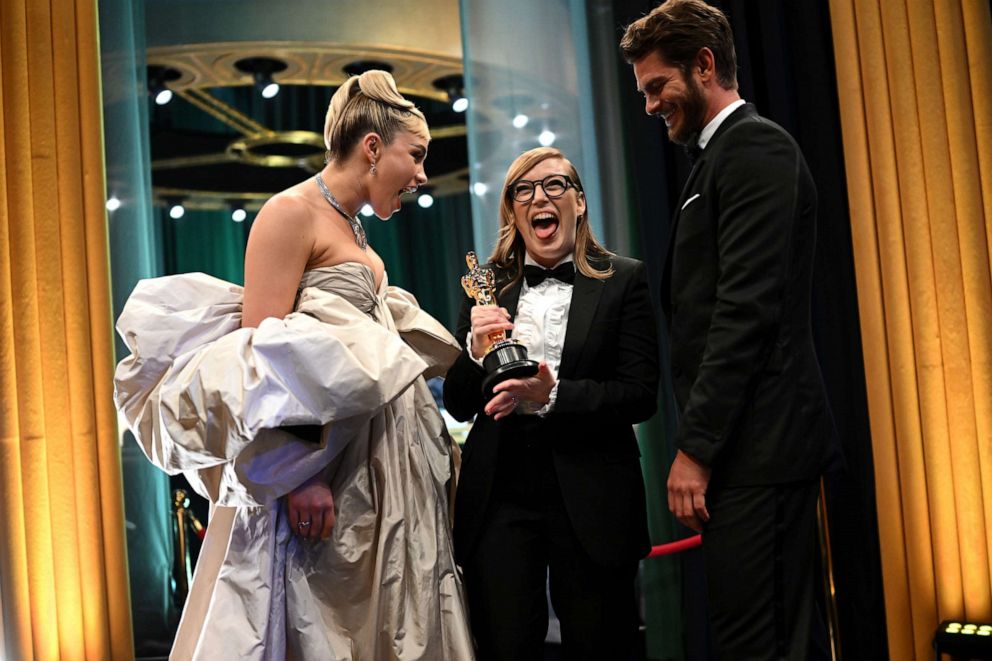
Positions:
(372, 170)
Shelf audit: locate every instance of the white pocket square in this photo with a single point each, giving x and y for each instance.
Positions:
(689, 201)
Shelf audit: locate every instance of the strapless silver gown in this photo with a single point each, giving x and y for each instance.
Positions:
(207, 398)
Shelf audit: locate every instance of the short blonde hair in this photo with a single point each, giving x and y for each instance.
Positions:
(369, 103)
(510, 250)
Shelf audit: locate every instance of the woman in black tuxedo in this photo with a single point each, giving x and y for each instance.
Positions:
(551, 480)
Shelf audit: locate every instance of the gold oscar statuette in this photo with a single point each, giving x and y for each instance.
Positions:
(505, 358)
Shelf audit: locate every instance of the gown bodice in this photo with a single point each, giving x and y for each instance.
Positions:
(352, 281)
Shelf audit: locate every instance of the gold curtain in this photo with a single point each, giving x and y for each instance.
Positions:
(915, 90)
(63, 569)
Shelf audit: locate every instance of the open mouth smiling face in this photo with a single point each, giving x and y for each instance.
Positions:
(547, 221)
(672, 95)
(400, 171)
(545, 225)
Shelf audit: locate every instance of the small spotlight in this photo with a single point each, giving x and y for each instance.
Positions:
(479, 188)
(113, 204)
(366, 210)
(177, 211)
(547, 138)
(238, 213)
(270, 90)
(262, 70)
(158, 76)
(426, 200)
(454, 87)
(520, 121)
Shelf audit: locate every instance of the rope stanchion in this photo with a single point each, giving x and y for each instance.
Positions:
(676, 546)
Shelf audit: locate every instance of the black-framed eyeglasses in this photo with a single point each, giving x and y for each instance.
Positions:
(554, 185)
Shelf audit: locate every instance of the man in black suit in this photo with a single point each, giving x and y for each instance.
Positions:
(755, 431)
(551, 483)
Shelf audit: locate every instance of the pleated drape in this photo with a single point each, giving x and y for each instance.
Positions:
(915, 89)
(62, 559)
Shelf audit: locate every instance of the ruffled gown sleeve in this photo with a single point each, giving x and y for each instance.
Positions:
(208, 398)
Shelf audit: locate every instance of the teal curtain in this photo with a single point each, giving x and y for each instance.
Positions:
(204, 241)
(423, 249)
(135, 253)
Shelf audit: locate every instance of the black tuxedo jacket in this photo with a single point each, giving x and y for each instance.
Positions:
(608, 381)
(736, 291)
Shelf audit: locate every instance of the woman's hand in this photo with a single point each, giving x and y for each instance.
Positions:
(487, 319)
(311, 509)
(532, 392)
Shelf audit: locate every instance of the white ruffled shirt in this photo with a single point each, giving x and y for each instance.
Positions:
(540, 325)
(542, 317)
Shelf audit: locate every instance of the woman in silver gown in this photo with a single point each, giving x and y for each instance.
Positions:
(337, 548)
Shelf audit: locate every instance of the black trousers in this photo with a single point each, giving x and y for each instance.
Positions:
(760, 555)
(528, 540)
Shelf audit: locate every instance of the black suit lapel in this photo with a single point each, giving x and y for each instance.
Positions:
(585, 297)
(509, 298)
(746, 110)
(666, 271)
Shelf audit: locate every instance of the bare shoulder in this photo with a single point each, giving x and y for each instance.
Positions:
(289, 210)
(282, 232)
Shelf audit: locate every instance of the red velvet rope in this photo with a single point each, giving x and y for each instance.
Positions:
(676, 547)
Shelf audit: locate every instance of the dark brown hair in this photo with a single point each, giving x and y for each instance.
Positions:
(678, 30)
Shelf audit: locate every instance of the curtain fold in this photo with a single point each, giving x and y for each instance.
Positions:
(913, 82)
(62, 559)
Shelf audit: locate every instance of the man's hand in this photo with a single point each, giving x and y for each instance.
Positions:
(508, 394)
(487, 319)
(311, 509)
(687, 482)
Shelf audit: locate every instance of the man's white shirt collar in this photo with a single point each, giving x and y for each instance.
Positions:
(707, 133)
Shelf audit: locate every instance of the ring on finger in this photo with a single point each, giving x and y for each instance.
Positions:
(303, 525)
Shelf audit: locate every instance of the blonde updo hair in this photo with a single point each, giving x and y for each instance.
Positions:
(369, 103)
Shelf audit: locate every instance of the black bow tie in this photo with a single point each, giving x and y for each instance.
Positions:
(535, 275)
(693, 151)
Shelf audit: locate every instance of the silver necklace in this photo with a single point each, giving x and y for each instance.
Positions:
(356, 224)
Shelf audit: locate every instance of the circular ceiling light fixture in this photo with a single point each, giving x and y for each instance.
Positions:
(261, 70)
(280, 149)
(358, 67)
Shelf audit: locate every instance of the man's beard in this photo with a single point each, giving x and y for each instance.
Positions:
(693, 110)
